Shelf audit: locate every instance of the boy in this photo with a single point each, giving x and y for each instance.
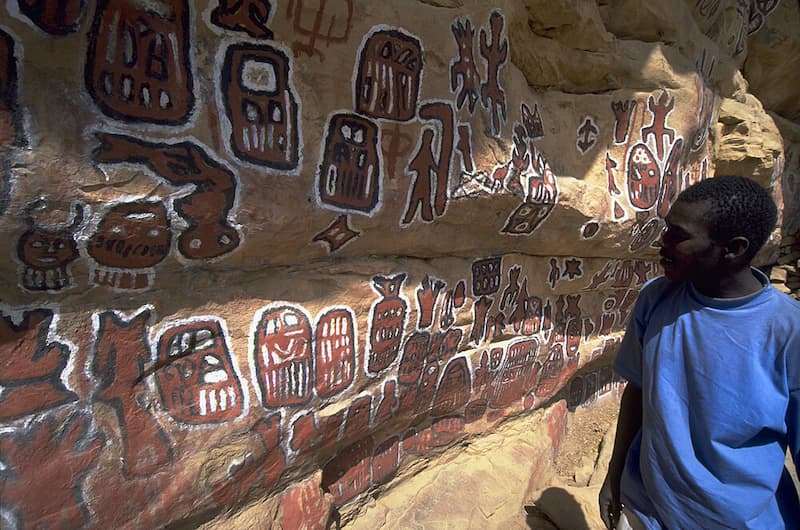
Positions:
(712, 359)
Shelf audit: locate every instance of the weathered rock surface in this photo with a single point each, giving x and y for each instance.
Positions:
(269, 259)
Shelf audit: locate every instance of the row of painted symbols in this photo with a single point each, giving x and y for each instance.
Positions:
(291, 361)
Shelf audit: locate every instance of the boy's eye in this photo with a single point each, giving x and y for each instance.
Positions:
(674, 234)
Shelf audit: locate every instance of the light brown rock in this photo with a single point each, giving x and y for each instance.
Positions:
(174, 284)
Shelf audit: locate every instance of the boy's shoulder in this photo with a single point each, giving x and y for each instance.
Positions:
(786, 300)
(785, 308)
(658, 288)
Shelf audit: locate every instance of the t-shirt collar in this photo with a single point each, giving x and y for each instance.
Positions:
(728, 303)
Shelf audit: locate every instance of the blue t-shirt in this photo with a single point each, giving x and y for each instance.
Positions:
(720, 382)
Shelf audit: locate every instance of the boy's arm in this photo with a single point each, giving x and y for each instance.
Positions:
(628, 424)
(793, 408)
(793, 424)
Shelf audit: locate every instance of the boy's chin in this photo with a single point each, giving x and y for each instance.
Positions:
(667, 268)
(673, 274)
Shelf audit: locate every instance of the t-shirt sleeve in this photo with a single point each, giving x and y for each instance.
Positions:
(793, 421)
(628, 363)
(793, 410)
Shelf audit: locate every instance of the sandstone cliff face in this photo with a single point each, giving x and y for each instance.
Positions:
(268, 258)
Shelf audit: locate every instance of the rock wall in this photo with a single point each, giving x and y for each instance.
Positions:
(276, 255)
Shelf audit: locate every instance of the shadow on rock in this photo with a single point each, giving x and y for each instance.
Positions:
(556, 508)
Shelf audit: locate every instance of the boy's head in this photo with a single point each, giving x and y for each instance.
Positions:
(716, 226)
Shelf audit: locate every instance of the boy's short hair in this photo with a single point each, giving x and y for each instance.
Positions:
(738, 206)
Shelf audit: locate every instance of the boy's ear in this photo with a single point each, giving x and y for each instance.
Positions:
(736, 247)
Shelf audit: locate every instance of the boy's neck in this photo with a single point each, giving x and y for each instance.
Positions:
(732, 284)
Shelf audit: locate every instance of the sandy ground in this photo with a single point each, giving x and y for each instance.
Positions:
(568, 501)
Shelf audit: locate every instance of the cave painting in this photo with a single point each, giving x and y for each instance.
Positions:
(335, 350)
(348, 473)
(249, 16)
(311, 431)
(395, 145)
(532, 121)
(554, 276)
(473, 182)
(415, 350)
(513, 173)
(425, 390)
(623, 114)
(464, 76)
(480, 310)
(495, 52)
(196, 376)
(303, 502)
(387, 403)
(483, 375)
(618, 211)
(56, 17)
(527, 174)
(511, 292)
(738, 36)
(337, 234)
(610, 166)
(643, 232)
(587, 134)
(282, 356)
(385, 461)
(429, 192)
(10, 119)
(444, 344)
(46, 252)
(121, 349)
(72, 448)
(319, 22)
(585, 389)
(519, 307)
(486, 276)
(591, 388)
(442, 431)
(540, 197)
(422, 167)
(759, 10)
(708, 8)
(454, 388)
(262, 467)
(453, 301)
(387, 322)
(427, 295)
(644, 177)
(517, 375)
(138, 65)
(32, 365)
(660, 109)
(671, 184)
(706, 101)
(349, 175)
(6, 179)
(261, 106)
(590, 229)
(206, 208)
(357, 420)
(572, 268)
(576, 392)
(464, 148)
(619, 274)
(129, 241)
(551, 370)
(389, 74)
